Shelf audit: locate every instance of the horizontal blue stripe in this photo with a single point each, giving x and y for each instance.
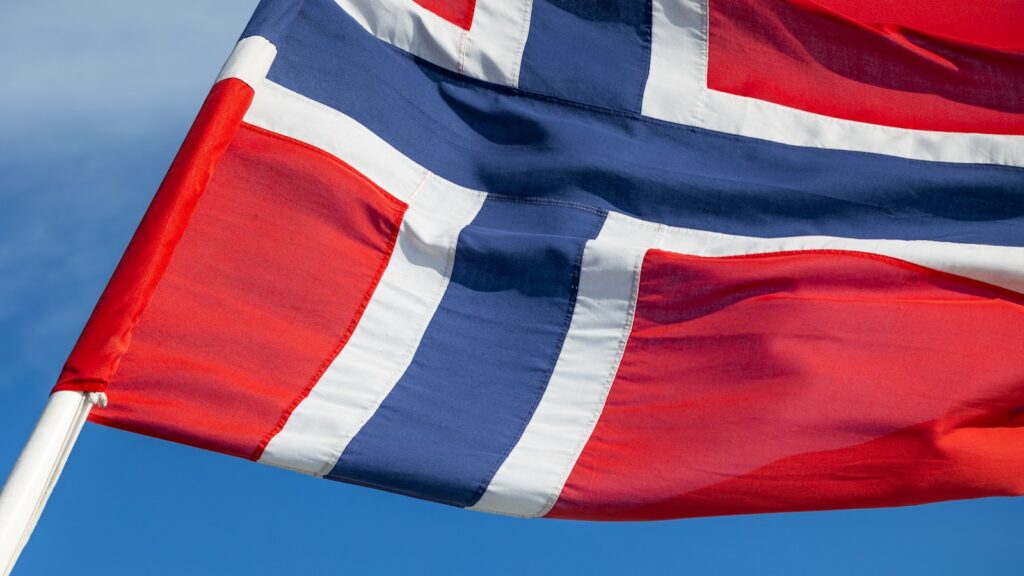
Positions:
(506, 142)
(484, 360)
(589, 51)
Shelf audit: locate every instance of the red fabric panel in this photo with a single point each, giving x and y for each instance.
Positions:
(806, 380)
(458, 12)
(108, 332)
(265, 287)
(968, 453)
(925, 64)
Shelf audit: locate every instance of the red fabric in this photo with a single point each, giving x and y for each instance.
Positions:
(806, 380)
(108, 332)
(925, 64)
(458, 12)
(265, 287)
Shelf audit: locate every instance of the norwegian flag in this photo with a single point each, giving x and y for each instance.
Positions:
(603, 260)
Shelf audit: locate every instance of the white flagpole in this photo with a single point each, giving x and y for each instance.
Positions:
(35, 473)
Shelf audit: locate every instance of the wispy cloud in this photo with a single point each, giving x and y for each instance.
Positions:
(94, 101)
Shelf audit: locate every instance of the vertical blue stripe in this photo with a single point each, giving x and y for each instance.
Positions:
(484, 360)
(589, 51)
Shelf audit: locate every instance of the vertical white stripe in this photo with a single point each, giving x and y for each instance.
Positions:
(249, 61)
(531, 478)
(492, 49)
(677, 82)
(495, 42)
(677, 91)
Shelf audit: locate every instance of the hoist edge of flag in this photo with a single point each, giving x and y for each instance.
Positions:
(265, 287)
(108, 332)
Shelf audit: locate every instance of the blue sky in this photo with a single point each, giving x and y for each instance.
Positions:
(94, 99)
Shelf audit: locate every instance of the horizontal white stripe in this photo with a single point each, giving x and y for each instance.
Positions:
(249, 61)
(491, 50)
(761, 119)
(288, 113)
(999, 265)
(676, 80)
(677, 91)
(529, 481)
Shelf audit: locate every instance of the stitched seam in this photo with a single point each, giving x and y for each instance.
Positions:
(655, 226)
(77, 383)
(548, 202)
(463, 45)
(419, 187)
(647, 40)
(705, 49)
(524, 29)
(99, 417)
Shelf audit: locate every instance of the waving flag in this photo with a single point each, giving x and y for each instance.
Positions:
(603, 260)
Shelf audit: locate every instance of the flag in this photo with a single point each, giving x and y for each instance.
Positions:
(598, 260)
